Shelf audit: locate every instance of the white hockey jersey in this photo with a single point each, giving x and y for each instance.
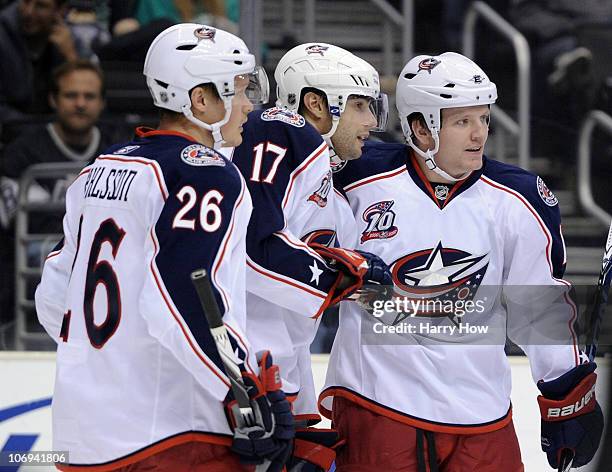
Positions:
(496, 233)
(137, 368)
(286, 165)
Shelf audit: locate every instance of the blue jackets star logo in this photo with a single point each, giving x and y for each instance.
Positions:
(445, 274)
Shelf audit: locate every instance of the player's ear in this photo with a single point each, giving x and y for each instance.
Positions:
(199, 101)
(315, 104)
(420, 131)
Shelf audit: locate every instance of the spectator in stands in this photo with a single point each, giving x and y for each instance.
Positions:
(134, 23)
(88, 30)
(77, 96)
(34, 39)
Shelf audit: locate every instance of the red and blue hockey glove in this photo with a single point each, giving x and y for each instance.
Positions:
(355, 268)
(314, 449)
(378, 272)
(571, 417)
(272, 439)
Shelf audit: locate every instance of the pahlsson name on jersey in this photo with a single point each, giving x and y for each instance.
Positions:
(117, 298)
(109, 184)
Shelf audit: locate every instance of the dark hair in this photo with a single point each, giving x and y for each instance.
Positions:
(305, 90)
(73, 66)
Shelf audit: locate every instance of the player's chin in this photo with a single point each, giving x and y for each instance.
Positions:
(351, 156)
(234, 140)
(357, 150)
(473, 162)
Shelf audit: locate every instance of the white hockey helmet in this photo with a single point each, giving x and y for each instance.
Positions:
(334, 71)
(188, 54)
(429, 83)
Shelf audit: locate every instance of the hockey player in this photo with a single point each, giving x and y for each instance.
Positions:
(327, 99)
(449, 220)
(140, 384)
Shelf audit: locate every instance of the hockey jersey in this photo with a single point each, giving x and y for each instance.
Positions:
(493, 240)
(137, 368)
(286, 166)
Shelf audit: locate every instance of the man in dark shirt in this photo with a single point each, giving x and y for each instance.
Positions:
(77, 95)
(33, 41)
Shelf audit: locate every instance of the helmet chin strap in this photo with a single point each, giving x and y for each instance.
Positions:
(430, 160)
(334, 158)
(327, 136)
(214, 128)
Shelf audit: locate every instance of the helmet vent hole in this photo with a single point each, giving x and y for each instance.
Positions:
(238, 63)
(409, 75)
(186, 47)
(446, 95)
(450, 85)
(161, 84)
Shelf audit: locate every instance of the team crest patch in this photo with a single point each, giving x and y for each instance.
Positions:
(126, 150)
(440, 274)
(546, 195)
(380, 219)
(199, 155)
(284, 115)
(320, 195)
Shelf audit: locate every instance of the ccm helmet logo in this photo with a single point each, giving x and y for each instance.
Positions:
(569, 410)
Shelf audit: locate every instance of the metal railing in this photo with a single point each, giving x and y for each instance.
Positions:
(585, 192)
(31, 247)
(520, 128)
(404, 20)
(251, 26)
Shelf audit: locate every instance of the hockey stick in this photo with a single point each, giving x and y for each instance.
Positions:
(599, 307)
(247, 420)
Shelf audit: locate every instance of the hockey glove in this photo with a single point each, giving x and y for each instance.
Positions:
(355, 268)
(272, 440)
(314, 450)
(571, 417)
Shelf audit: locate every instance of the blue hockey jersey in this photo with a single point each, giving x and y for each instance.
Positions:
(285, 163)
(136, 363)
